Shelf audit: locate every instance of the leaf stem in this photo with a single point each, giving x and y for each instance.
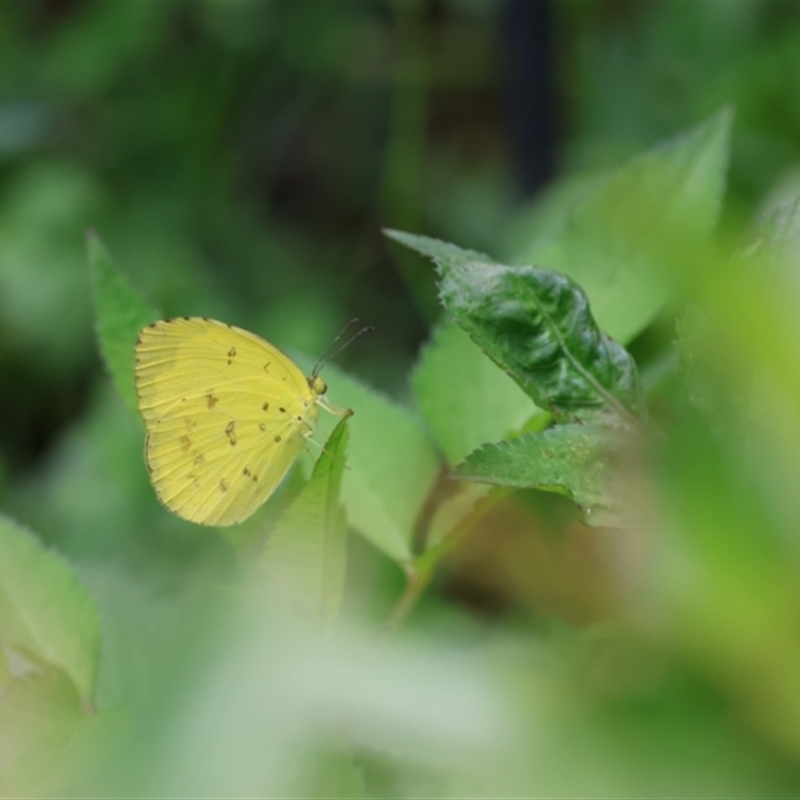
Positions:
(417, 581)
(420, 571)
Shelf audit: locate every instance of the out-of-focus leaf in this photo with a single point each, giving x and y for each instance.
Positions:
(454, 510)
(778, 239)
(544, 220)
(83, 59)
(121, 313)
(781, 225)
(44, 306)
(24, 126)
(569, 459)
(725, 582)
(38, 716)
(465, 398)
(271, 691)
(47, 743)
(305, 554)
(609, 234)
(44, 610)
(331, 773)
(536, 324)
(391, 465)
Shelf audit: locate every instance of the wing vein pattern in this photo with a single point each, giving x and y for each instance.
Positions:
(226, 415)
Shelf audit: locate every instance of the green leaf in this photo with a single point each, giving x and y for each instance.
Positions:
(453, 511)
(38, 715)
(44, 610)
(572, 460)
(779, 233)
(545, 219)
(305, 554)
(47, 742)
(121, 313)
(330, 772)
(465, 398)
(614, 234)
(536, 324)
(391, 465)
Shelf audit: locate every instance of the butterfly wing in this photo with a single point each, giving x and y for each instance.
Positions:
(226, 414)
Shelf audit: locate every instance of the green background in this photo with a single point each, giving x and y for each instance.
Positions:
(239, 160)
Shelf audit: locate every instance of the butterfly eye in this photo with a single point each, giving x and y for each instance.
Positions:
(317, 385)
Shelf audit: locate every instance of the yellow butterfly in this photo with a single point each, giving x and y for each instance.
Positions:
(226, 414)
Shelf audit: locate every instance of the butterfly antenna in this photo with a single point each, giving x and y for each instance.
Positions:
(327, 355)
(336, 338)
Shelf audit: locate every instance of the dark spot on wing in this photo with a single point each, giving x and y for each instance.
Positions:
(231, 355)
(246, 472)
(266, 366)
(277, 438)
(223, 484)
(211, 399)
(265, 407)
(230, 432)
(282, 410)
(186, 443)
(262, 426)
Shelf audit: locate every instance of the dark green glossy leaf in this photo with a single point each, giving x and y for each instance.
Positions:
(536, 324)
(572, 460)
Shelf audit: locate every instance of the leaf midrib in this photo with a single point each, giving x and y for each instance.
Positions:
(599, 388)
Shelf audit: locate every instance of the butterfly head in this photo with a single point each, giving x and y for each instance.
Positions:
(317, 385)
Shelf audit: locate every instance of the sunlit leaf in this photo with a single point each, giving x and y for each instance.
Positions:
(305, 553)
(611, 233)
(465, 398)
(391, 465)
(121, 313)
(536, 324)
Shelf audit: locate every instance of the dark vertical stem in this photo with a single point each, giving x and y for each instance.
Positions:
(527, 36)
(401, 188)
(421, 571)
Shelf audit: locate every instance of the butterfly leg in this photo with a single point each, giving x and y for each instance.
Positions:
(321, 447)
(328, 406)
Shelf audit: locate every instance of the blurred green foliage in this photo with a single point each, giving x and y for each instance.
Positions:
(239, 160)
